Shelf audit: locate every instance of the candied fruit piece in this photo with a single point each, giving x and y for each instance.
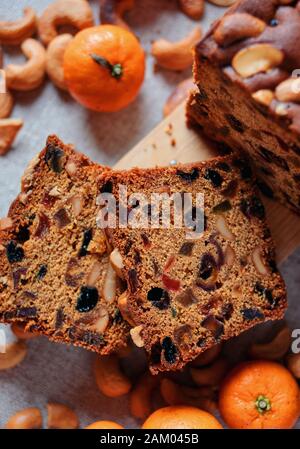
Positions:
(214, 325)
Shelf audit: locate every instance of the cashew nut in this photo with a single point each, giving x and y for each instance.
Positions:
(9, 128)
(234, 27)
(6, 104)
(176, 55)
(207, 356)
(258, 262)
(293, 364)
(192, 8)
(77, 13)
(6, 223)
(28, 418)
(140, 400)
(264, 96)
(61, 417)
(30, 75)
(116, 261)
(175, 394)
(222, 2)
(289, 90)
(112, 11)
(14, 33)
(275, 349)
(14, 354)
(110, 380)
(109, 288)
(55, 57)
(179, 94)
(123, 307)
(135, 333)
(212, 375)
(256, 58)
(20, 331)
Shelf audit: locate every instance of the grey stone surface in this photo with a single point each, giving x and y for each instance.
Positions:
(52, 371)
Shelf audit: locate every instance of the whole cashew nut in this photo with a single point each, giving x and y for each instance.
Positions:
(238, 26)
(19, 329)
(112, 11)
(109, 377)
(55, 57)
(61, 417)
(222, 2)
(77, 13)
(9, 128)
(211, 375)
(28, 418)
(140, 400)
(14, 33)
(15, 353)
(6, 104)
(275, 349)
(208, 356)
(176, 55)
(192, 8)
(30, 75)
(179, 94)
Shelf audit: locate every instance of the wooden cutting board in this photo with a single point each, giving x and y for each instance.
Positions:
(172, 140)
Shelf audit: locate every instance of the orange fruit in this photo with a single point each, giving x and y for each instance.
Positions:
(104, 67)
(181, 417)
(104, 425)
(259, 395)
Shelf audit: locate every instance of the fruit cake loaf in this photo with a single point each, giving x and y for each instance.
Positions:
(53, 260)
(248, 95)
(186, 293)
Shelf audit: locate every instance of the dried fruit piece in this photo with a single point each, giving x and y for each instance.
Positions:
(54, 158)
(188, 176)
(87, 299)
(87, 237)
(14, 252)
(214, 177)
(214, 325)
(169, 350)
(159, 298)
(252, 314)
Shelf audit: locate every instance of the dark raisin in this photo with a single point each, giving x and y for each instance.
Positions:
(207, 267)
(87, 237)
(188, 176)
(23, 234)
(265, 189)
(117, 319)
(252, 207)
(133, 280)
(273, 23)
(62, 218)
(14, 253)
(214, 325)
(227, 311)
(18, 276)
(244, 168)
(187, 248)
(137, 257)
(155, 353)
(273, 265)
(87, 299)
(271, 157)
(236, 124)
(223, 148)
(223, 166)
(159, 298)
(26, 312)
(225, 206)
(214, 177)
(42, 272)
(231, 189)
(128, 246)
(107, 187)
(54, 158)
(92, 339)
(182, 336)
(252, 314)
(201, 342)
(59, 319)
(266, 293)
(169, 350)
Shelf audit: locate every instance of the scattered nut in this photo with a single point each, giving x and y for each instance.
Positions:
(212, 375)
(71, 167)
(192, 8)
(116, 261)
(112, 11)
(61, 417)
(102, 322)
(256, 58)
(293, 364)
(20, 331)
(6, 223)
(179, 94)
(176, 55)
(222, 227)
(175, 394)
(136, 336)
(237, 26)
(229, 255)
(98, 243)
(258, 262)
(110, 284)
(55, 57)
(76, 13)
(28, 418)
(9, 128)
(140, 403)
(15, 353)
(208, 356)
(94, 274)
(30, 75)
(14, 33)
(110, 380)
(289, 90)
(123, 307)
(77, 204)
(223, 2)
(281, 109)
(6, 104)
(275, 349)
(264, 96)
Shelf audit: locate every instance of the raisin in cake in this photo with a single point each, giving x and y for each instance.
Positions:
(248, 95)
(53, 260)
(184, 294)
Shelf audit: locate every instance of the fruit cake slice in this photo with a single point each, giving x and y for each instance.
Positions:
(188, 291)
(53, 260)
(248, 96)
